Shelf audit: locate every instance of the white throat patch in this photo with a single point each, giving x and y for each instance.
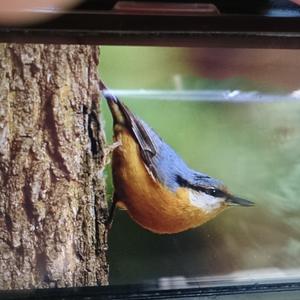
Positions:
(205, 202)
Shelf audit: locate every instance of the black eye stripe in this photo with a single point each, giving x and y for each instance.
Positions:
(212, 192)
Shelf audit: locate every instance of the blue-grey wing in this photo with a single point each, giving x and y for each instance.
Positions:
(161, 160)
(170, 169)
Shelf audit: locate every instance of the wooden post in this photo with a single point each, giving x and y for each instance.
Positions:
(52, 201)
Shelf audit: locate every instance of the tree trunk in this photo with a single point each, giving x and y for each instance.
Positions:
(52, 203)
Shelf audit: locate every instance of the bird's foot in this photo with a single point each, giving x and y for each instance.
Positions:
(109, 150)
(113, 146)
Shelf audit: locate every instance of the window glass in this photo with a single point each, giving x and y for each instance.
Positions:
(233, 114)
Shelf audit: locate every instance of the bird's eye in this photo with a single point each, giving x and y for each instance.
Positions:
(212, 192)
(215, 193)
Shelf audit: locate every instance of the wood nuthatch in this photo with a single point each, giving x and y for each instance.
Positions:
(159, 191)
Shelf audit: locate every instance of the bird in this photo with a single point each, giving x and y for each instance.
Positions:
(153, 184)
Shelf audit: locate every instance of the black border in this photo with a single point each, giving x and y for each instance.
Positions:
(152, 291)
(109, 28)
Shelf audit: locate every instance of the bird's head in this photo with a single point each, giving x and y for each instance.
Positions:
(210, 194)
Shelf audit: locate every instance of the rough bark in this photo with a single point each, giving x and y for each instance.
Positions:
(52, 206)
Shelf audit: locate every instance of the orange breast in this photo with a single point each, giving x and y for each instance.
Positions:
(148, 202)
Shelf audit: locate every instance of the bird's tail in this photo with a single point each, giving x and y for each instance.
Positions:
(115, 105)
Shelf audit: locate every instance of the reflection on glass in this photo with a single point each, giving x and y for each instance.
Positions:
(252, 145)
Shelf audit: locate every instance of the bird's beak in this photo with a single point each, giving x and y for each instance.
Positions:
(232, 200)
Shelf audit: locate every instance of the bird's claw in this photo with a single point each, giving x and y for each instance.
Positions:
(109, 150)
(113, 146)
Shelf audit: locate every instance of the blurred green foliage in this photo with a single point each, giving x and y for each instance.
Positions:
(252, 147)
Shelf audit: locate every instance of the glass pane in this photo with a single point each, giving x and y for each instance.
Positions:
(233, 114)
